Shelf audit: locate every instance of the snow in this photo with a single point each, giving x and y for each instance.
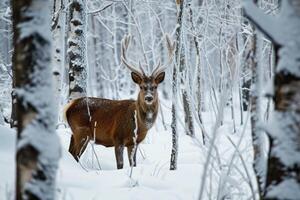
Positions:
(286, 145)
(151, 179)
(287, 189)
(38, 23)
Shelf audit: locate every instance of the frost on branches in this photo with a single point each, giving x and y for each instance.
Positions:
(38, 147)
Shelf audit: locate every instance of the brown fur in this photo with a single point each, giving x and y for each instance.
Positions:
(111, 123)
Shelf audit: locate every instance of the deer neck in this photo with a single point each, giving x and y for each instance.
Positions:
(146, 114)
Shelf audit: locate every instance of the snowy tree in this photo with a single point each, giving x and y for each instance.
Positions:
(178, 40)
(184, 80)
(199, 92)
(5, 62)
(57, 28)
(5, 59)
(283, 181)
(254, 99)
(248, 61)
(77, 48)
(38, 148)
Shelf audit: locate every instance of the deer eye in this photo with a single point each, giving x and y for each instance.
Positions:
(153, 88)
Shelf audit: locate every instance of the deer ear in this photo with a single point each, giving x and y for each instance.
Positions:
(136, 78)
(160, 77)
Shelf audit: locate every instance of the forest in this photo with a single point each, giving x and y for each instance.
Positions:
(150, 99)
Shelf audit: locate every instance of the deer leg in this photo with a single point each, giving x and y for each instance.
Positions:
(132, 155)
(83, 145)
(119, 155)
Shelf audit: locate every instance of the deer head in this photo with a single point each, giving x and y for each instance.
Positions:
(148, 83)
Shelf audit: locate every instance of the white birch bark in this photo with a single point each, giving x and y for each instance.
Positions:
(38, 146)
(77, 49)
(284, 131)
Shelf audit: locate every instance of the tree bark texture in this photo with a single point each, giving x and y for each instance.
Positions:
(77, 49)
(174, 153)
(38, 147)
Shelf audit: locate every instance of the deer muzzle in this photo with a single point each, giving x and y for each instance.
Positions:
(149, 99)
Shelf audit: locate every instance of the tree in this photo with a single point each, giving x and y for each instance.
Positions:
(57, 27)
(185, 83)
(253, 98)
(283, 180)
(5, 58)
(38, 147)
(199, 90)
(77, 49)
(174, 153)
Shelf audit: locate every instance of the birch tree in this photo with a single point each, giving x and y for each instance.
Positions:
(283, 180)
(38, 147)
(77, 49)
(57, 28)
(5, 59)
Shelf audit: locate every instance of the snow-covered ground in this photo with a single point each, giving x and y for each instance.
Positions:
(226, 177)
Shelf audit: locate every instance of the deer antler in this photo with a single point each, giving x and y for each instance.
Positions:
(124, 48)
(158, 68)
(141, 68)
(171, 47)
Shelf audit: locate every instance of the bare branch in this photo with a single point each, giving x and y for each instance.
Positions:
(100, 9)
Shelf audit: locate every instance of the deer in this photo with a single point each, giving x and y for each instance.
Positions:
(117, 123)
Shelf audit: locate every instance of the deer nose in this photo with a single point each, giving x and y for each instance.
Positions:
(148, 98)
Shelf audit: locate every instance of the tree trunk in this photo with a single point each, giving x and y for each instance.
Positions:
(254, 84)
(184, 81)
(57, 34)
(36, 167)
(257, 134)
(199, 86)
(283, 180)
(174, 153)
(2, 117)
(248, 59)
(77, 49)
(251, 97)
(5, 58)
(188, 117)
